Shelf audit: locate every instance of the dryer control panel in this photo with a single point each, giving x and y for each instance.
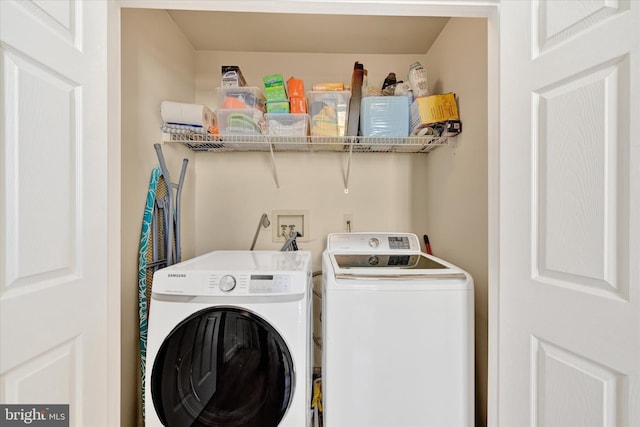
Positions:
(237, 273)
(373, 242)
(248, 284)
(229, 284)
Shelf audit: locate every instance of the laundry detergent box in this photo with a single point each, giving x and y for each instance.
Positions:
(274, 88)
(431, 109)
(384, 116)
(232, 76)
(298, 105)
(277, 106)
(295, 87)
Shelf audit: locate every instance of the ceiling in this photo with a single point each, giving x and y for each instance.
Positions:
(309, 33)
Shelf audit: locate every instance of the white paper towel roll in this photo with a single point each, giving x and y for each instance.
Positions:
(187, 114)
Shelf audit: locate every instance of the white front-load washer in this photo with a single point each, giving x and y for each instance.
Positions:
(397, 325)
(229, 341)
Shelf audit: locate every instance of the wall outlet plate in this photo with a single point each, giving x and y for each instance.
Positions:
(286, 221)
(347, 223)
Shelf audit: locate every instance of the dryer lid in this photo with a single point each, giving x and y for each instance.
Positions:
(246, 261)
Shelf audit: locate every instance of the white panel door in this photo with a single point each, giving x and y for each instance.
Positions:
(53, 216)
(569, 293)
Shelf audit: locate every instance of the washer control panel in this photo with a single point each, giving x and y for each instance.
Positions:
(373, 242)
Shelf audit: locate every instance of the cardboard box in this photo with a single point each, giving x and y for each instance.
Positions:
(274, 88)
(295, 88)
(277, 106)
(232, 76)
(428, 110)
(327, 86)
(298, 104)
(449, 128)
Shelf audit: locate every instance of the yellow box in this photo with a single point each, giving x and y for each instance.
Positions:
(327, 86)
(427, 110)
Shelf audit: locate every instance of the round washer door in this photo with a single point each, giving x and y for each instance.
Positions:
(223, 366)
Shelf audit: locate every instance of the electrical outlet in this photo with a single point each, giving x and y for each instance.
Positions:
(287, 222)
(347, 223)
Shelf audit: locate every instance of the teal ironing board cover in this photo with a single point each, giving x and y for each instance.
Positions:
(145, 247)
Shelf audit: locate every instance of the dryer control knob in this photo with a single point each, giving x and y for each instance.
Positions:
(227, 283)
(373, 242)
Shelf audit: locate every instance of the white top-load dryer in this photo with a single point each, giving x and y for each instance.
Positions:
(229, 341)
(397, 334)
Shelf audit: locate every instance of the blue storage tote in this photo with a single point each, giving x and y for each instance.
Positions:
(384, 116)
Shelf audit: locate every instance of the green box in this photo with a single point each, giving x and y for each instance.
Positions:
(274, 87)
(277, 106)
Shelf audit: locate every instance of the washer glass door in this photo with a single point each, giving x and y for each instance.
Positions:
(223, 366)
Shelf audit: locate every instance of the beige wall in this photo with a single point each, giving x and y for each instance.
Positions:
(157, 64)
(234, 189)
(454, 178)
(443, 194)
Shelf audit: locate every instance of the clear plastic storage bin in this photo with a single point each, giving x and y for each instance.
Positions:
(328, 112)
(384, 116)
(240, 97)
(281, 124)
(244, 121)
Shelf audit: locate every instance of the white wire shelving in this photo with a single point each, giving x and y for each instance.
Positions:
(356, 144)
(275, 144)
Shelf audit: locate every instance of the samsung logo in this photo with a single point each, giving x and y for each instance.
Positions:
(177, 275)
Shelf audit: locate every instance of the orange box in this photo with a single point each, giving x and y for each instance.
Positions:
(295, 88)
(298, 105)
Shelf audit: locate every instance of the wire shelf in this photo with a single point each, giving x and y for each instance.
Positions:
(355, 144)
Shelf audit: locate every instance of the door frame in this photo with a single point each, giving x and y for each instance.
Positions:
(114, 212)
(488, 9)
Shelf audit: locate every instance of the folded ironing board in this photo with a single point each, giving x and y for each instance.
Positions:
(159, 245)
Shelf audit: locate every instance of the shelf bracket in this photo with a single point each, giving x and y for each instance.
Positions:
(348, 171)
(274, 169)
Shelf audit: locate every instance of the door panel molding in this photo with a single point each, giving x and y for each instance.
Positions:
(557, 21)
(579, 164)
(558, 373)
(568, 317)
(42, 215)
